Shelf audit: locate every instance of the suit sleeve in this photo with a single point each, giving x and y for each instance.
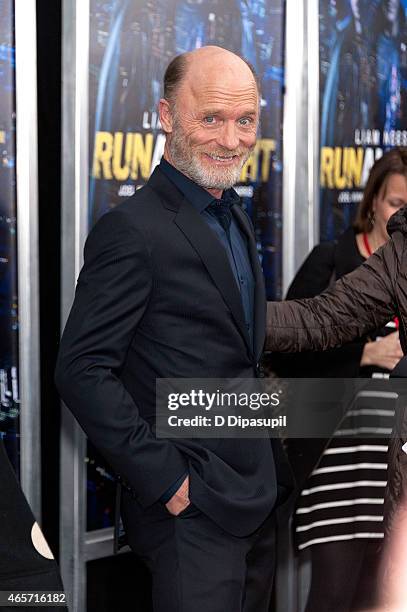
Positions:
(359, 302)
(111, 298)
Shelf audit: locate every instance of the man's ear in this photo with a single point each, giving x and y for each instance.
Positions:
(165, 113)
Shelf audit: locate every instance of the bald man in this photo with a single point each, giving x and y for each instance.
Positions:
(171, 287)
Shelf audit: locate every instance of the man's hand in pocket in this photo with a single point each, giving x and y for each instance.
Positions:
(180, 500)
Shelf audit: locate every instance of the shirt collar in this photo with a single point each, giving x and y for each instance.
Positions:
(195, 194)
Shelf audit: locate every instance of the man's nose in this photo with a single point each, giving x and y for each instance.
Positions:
(228, 137)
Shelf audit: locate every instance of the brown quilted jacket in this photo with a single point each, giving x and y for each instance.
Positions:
(363, 300)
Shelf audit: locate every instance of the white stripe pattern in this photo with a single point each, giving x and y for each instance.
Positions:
(345, 485)
(384, 394)
(365, 430)
(350, 467)
(370, 411)
(353, 449)
(353, 536)
(343, 498)
(340, 521)
(343, 502)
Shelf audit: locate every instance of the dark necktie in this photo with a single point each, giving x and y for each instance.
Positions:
(220, 209)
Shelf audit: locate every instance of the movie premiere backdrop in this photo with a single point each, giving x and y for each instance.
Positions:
(9, 396)
(363, 71)
(131, 43)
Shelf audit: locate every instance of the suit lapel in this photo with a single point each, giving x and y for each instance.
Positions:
(259, 292)
(215, 260)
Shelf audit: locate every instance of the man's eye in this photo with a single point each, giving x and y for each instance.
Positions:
(245, 121)
(210, 119)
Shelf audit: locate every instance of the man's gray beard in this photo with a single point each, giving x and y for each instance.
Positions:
(186, 162)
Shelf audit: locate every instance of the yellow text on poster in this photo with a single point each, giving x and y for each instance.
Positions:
(123, 156)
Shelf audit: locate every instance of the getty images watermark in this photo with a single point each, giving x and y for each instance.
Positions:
(219, 401)
(213, 408)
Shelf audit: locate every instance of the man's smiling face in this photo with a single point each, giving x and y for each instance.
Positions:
(214, 119)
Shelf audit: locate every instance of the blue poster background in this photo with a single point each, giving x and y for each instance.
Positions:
(363, 72)
(9, 396)
(131, 43)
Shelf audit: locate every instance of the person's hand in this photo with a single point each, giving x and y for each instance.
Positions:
(385, 352)
(180, 500)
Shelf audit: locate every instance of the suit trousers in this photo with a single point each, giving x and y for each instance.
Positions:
(198, 567)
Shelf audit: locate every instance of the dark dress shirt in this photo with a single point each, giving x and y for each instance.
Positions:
(235, 247)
